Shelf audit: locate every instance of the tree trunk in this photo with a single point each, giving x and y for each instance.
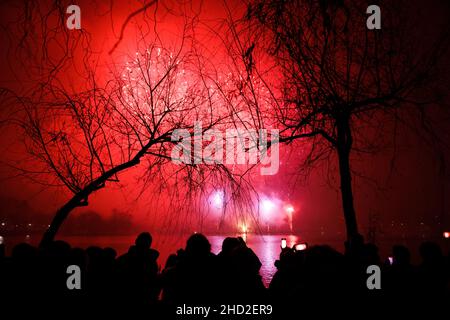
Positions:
(58, 219)
(344, 146)
(80, 199)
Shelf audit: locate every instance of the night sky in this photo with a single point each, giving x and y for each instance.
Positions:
(404, 184)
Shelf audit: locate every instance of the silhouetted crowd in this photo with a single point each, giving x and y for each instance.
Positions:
(195, 275)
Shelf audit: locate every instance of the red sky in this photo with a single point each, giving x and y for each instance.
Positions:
(411, 193)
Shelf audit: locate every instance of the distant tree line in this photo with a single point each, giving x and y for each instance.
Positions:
(92, 223)
(19, 217)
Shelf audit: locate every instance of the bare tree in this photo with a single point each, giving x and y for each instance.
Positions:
(83, 124)
(83, 134)
(87, 139)
(329, 79)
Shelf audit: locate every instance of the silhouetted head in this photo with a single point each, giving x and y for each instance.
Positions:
(78, 257)
(370, 254)
(354, 244)
(323, 255)
(198, 245)
(110, 253)
(95, 255)
(229, 244)
(58, 249)
(171, 261)
(287, 258)
(144, 240)
(430, 252)
(401, 255)
(23, 251)
(246, 260)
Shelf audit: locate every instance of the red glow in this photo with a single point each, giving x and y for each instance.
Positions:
(320, 208)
